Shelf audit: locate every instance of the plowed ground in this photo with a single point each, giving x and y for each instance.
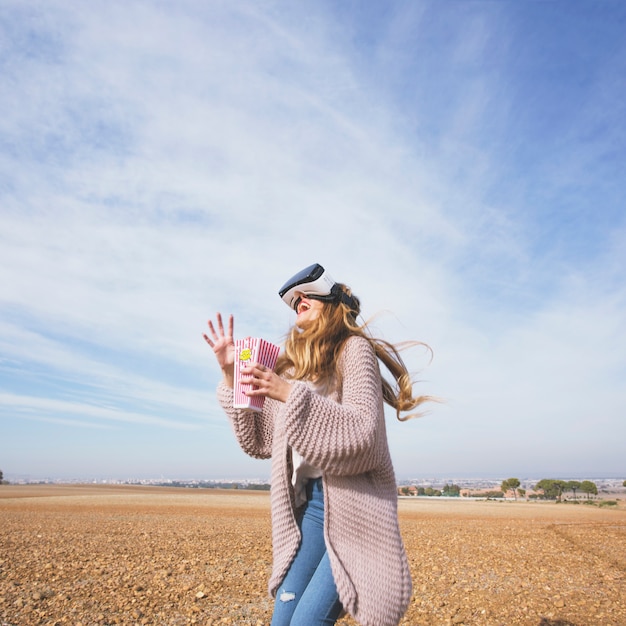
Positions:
(97, 555)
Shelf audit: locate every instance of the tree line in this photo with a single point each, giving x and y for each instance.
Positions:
(448, 491)
(552, 488)
(545, 489)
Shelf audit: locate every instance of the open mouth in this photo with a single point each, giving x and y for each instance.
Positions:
(303, 306)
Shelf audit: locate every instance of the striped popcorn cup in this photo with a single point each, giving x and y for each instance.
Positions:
(247, 351)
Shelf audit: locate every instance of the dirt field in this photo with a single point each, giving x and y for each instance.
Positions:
(86, 555)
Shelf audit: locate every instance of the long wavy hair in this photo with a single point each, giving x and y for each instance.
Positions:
(312, 353)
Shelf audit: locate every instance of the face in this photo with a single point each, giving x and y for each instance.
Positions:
(307, 310)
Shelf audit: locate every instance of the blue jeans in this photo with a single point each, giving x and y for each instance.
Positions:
(308, 595)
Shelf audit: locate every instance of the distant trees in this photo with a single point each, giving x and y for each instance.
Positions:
(553, 489)
(573, 486)
(451, 490)
(511, 484)
(428, 491)
(545, 489)
(624, 484)
(589, 488)
(2, 475)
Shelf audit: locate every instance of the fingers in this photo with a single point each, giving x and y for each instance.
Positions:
(258, 377)
(220, 325)
(257, 384)
(212, 329)
(219, 333)
(263, 381)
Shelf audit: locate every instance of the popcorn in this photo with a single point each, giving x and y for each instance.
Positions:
(247, 351)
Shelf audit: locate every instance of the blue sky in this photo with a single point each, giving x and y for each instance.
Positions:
(459, 164)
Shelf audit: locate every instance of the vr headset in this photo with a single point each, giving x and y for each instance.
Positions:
(315, 283)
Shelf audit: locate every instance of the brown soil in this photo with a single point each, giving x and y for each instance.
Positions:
(87, 555)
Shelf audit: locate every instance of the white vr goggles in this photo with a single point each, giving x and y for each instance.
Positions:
(315, 283)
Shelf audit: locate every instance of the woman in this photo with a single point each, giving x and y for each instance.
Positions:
(336, 541)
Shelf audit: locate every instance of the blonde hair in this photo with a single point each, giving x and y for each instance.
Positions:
(312, 353)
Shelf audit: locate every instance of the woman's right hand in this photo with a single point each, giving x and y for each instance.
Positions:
(223, 347)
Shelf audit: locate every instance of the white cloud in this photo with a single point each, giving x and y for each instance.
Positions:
(164, 162)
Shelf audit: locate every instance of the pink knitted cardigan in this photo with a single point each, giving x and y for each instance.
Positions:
(344, 435)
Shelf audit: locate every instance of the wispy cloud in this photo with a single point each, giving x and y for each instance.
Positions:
(459, 166)
(51, 410)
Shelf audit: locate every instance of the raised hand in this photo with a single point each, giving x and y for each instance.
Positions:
(223, 346)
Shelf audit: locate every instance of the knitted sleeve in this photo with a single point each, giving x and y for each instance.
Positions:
(253, 430)
(346, 436)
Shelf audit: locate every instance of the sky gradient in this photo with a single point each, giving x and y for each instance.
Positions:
(460, 165)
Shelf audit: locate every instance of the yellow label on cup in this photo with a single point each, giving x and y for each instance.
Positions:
(245, 354)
